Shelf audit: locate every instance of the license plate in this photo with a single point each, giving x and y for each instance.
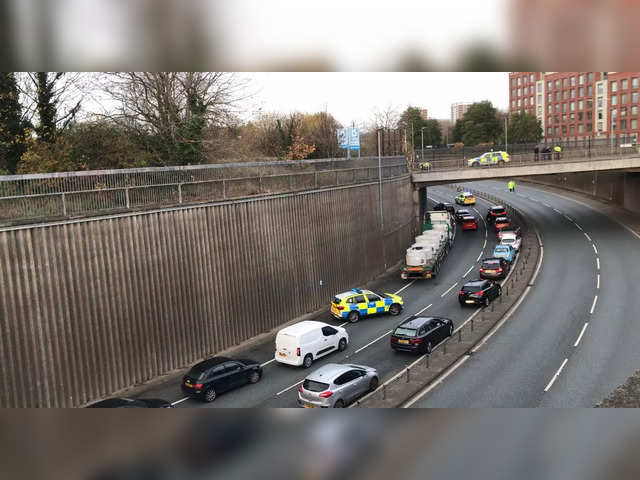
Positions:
(489, 271)
(470, 301)
(415, 269)
(309, 406)
(404, 342)
(282, 354)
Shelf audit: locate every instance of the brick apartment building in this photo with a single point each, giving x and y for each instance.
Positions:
(576, 105)
(458, 110)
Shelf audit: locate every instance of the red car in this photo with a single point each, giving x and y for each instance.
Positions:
(495, 212)
(469, 223)
(501, 223)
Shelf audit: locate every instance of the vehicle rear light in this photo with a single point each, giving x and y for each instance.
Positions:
(340, 307)
(416, 341)
(298, 351)
(326, 394)
(500, 269)
(198, 386)
(460, 292)
(300, 388)
(394, 339)
(481, 270)
(479, 293)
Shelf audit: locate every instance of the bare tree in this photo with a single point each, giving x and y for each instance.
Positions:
(172, 109)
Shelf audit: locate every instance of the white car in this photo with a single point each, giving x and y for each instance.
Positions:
(304, 342)
(511, 239)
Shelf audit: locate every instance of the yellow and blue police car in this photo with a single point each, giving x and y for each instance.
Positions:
(489, 158)
(466, 198)
(359, 303)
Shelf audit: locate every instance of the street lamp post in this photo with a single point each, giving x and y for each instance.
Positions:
(380, 182)
(422, 136)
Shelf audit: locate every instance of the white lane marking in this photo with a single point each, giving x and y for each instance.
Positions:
(267, 363)
(568, 218)
(546, 204)
(450, 288)
(406, 286)
(579, 227)
(479, 256)
(374, 341)
(485, 244)
(468, 271)
(428, 306)
(588, 237)
(581, 333)
(594, 248)
(598, 283)
(433, 385)
(177, 402)
(557, 211)
(598, 263)
(556, 375)
(289, 388)
(593, 307)
(341, 325)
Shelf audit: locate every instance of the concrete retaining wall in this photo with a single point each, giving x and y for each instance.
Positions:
(91, 307)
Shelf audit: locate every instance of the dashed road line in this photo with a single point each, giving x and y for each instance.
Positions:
(581, 334)
(594, 248)
(177, 402)
(598, 263)
(468, 271)
(598, 283)
(267, 363)
(593, 307)
(406, 286)
(374, 341)
(556, 375)
(450, 288)
(479, 256)
(289, 388)
(588, 237)
(428, 306)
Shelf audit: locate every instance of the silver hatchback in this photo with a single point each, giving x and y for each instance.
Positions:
(336, 386)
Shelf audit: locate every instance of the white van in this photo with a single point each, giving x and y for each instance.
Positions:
(302, 343)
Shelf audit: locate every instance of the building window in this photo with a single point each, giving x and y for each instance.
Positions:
(557, 107)
(573, 81)
(623, 99)
(634, 110)
(513, 82)
(548, 120)
(556, 131)
(564, 83)
(564, 129)
(513, 104)
(564, 107)
(539, 98)
(623, 124)
(623, 111)
(581, 79)
(614, 100)
(549, 98)
(548, 130)
(564, 118)
(589, 90)
(589, 127)
(589, 116)
(549, 108)
(614, 113)
(599, 114)
(549, 85)
(519, 92)
(599, 102)
(624, 84)
(600, 89)
(519, 103)
(557, 83)
(581, 92)
(519, 80)
(572, 117)
(634, 97)
(573, 93)
(589, 104)
(590, 77)
(556, 95)
(580, 128)
(531, 77)
(614, 86)
(599, 126)
(634, 124)
(634, 82)
(564, 94)
(526, 101)
(580, 105)
(540, 87)
(580, 116)
(539, 110)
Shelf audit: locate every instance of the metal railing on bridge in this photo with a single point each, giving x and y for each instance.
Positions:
(531, 158)
(42, 197)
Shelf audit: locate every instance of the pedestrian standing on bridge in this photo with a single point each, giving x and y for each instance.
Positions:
(511, 186)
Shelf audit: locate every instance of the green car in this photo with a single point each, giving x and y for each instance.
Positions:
(489, 158)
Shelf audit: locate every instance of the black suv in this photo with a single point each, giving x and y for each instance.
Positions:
(462, 212)
(421, 334)
(131, 403)
(440, 207)
(494, 268)
(479, 292)
(216, 375)
(495, 212)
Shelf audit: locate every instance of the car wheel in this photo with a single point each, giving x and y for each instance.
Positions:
(429, 348)
(308, 360)
(254, 377)
(342, 344)
(395, 309)
(210, 395)
(486, 302)
(339, 404)
(373, 384)
(451, 330)
(353, 317)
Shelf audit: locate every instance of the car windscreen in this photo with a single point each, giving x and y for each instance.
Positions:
(407, 332)
(471, 288)
(314, 386)
(497, 209)
(491, 264)
(508, 240)
(504, 248)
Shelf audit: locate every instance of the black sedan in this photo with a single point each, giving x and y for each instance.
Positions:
(131, 403)
(461, 213)
(217, 375)
(441, 207)
(421, 334)
(479, 292)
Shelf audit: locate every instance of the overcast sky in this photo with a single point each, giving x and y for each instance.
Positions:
(354, 96)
